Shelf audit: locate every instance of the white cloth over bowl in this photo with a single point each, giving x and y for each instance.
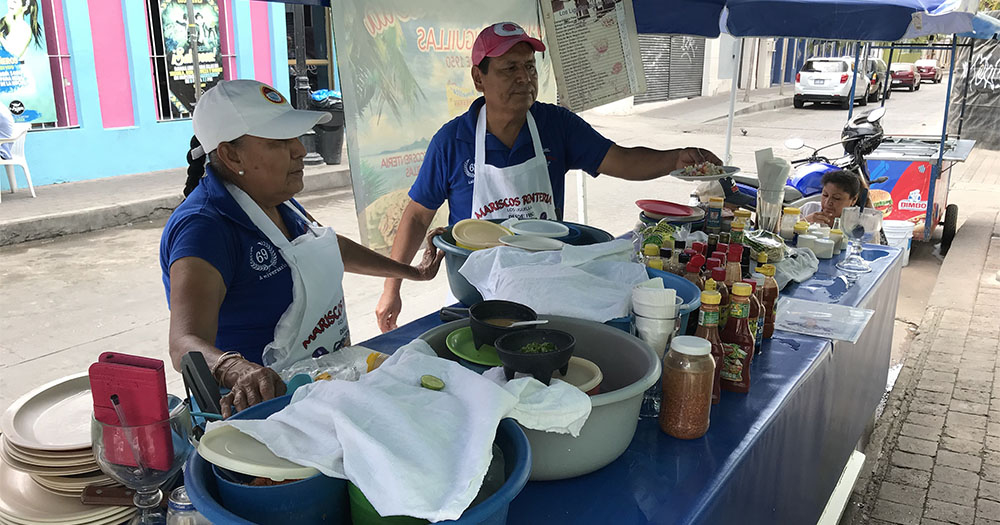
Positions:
(586, 282)
(412, 451)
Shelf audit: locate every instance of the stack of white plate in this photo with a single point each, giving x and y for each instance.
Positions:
(46, 460)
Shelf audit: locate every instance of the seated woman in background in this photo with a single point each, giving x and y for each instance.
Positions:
(840, 190)
(252, 281)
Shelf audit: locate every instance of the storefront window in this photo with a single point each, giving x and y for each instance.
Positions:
(170, 51)
(35, 78)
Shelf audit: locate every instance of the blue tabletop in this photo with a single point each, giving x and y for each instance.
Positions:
(773, 455)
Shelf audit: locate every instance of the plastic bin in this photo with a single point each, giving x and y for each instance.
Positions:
(329, 136)
(899, 234)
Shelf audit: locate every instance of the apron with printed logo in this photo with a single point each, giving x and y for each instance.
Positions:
(523, 191)
(316, 321)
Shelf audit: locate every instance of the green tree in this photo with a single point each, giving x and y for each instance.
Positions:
(989, 5)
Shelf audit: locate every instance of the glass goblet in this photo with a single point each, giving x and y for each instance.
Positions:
(860, 224)
(144, 457)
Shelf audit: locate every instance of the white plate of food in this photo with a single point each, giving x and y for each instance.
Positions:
(704, 171)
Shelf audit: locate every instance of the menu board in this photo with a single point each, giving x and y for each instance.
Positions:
(595, 51)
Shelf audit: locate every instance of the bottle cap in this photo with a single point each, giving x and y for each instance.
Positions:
(719, 274)
(721, 256)
(655, 263)
(742, 289)
(762, 258)
(752, 283)
(698, 258)
(792, 211)
(735, 252)
(722, 247)
(836, 231)
(665, 253)
(713, 262)
(690, 345)
(713, 238)
(679, 245)
(684, 259)
(767, 270)
(737, 225)
(651, 249)
(711, 286)
(743, 213)
(698, 247)
(716, 200)
(693, 266)
(711, 297)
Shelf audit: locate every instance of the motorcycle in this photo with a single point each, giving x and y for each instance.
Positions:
(860, 136)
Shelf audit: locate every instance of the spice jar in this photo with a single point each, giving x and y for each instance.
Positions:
(801, 228)
(713, 217)
(789, 217)
(688, 374)
(837, 237)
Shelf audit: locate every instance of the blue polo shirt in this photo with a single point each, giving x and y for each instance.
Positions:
(210, 225)
(569, 143)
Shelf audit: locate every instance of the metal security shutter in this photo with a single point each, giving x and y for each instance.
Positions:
(673, 66)
(655, 52)
(687, 61)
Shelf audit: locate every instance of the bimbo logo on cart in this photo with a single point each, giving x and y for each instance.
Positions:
(913, 202)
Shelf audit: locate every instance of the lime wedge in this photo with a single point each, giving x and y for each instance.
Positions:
(431, 382)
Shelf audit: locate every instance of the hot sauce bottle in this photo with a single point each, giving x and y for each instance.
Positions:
(737, 341)
(708, 328)
(734, 272)
(770, 299)
(719, 276)
(757, 327)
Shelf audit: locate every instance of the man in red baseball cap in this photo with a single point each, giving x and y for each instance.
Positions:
(508, 155)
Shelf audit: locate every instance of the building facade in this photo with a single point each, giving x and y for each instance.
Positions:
(122, 86)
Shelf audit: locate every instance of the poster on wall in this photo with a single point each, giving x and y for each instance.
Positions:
(177, 49)
(405, 71)
(977, 86)
(25, 76)
(595, 51)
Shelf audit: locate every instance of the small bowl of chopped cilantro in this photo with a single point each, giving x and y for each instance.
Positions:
(538, 352)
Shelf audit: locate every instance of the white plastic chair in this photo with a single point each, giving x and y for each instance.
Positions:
(17, 156)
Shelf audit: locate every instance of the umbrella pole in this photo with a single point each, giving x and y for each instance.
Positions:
(732, 109)
(965, 87)
(854, 81)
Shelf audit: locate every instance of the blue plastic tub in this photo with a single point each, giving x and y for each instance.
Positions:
(686, 290)
(454, 257)
(202, 485)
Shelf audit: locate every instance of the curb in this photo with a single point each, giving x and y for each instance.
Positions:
(767, 105)
(967, 253)
(317, 179)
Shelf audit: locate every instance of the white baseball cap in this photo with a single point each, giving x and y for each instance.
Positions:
(233, 108)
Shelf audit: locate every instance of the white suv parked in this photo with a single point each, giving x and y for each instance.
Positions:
(828, 79)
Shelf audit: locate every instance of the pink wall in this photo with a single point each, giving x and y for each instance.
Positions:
(62, 76)
(227, 44)
(114, 84)
(260, 22)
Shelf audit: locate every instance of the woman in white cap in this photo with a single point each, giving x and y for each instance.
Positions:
(252, 281)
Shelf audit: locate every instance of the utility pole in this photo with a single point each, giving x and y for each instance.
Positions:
(784, 59)
(302, 89)
(194, 46)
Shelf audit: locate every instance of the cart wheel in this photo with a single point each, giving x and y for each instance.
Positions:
(888, 94)
(798, 104)
(950, 226)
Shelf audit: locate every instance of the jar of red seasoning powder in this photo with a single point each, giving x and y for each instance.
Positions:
(688, 376)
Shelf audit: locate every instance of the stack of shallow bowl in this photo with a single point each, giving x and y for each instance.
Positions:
(46, 459)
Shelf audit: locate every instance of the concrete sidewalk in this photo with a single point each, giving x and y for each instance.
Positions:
(78, 207)
(935, 454)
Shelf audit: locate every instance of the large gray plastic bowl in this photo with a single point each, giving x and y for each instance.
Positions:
(629, 368)
(454, 257)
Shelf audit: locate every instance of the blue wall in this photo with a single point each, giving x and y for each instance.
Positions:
(92, 152)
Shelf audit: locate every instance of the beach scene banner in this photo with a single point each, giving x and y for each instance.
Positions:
(405, 71)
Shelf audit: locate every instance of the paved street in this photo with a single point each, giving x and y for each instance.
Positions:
(65, 300)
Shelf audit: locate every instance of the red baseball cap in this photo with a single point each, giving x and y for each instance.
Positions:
(497, 39)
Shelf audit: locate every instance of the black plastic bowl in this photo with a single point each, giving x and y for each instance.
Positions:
(540, 365)
(484, 333)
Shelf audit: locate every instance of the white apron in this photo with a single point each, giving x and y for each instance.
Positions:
(316, 321)
(523, 191)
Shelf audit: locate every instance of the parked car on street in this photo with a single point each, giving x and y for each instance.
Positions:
(905, 75)
(828, 79)
(877, 74)
(929, 69)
